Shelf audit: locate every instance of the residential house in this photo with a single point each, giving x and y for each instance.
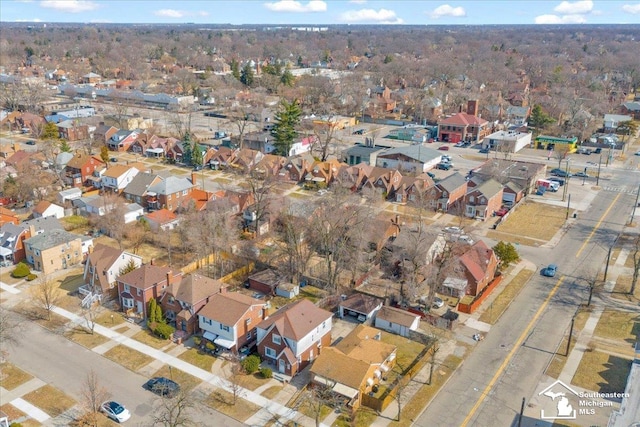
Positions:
(100, 206)
(362, 154)
(359, 306)
(175, 151)
(414, 190)
(103, 133)
(296, 168)
(245, 159)
(71, 130)
(7, 150)
(90, 78)
(269, 166)
(512, 193)
(322, 172)
(137, 287)
(350, 177)
(54, 250)
(410, 159)
(632, 109)
(294, 336)
(448, 193)
(523, 174)
(382, 101)
(379, 231)
(518, 116)
(103, 267)
(222, 158)
(612, 121)
(230, 320)
(116, 178)
(397, 321)
(483, 200)
(7, 216)
(137, 190)
(26, 120)
(25, 160)
(162, 220)
(476, 269)
(182, 300)
(356, 364)
(464, 126)
(44, 209)
(12, 236)
(383, 180)
(231, 202)
(168, 193)
(122, 140)
(80, 168)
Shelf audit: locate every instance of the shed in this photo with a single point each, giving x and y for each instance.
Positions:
(358, 305)
(397, 321)
(287, 290)
(70, 194)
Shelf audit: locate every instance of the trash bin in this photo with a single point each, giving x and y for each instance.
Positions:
(575, 215)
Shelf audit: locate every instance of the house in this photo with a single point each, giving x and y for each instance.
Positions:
(360, 153)
(183, 299)
(505, 141)
(222, 158)
(379, 179)
(90, 78)
(411, 158)
(523, 174)
(269, 166)
(245, 159)
(137, 287)
(349, 177)
(632, 109)
(103, 133)
(137, 190)
(413, 189)
(294, 336)
(483, 200)
(464, 126)
(397, 321)
(296, 168)
(230, 320)
(100, 206)
(122, 140)
(54, 250)
(12, 236)
(379, 231)
(168, 193)
(71, 130)
(612, 121)
(354, 365)
(44, 209)
(117, 177)
(162, 219)
(265, 282)
(80, 168)
(476, 269)
(448, 193)
(512, 193)
(7, 216)
(103, 267)
(359, 306)
(65, 196)
(517, 116)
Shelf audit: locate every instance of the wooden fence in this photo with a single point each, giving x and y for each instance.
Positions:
(470, 308)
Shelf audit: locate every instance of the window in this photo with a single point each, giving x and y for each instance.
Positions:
(276, 339)
(184, 193)
(127, 302)
(68, 256)
(249, 335)
(269, 352)
(224, 327)
(471, 199)
(126, 288)
(205, 320)
(248, 321)
(139, 292)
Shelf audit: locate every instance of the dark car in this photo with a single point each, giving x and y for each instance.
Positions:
(31, 142)
(484, 150)
(550, 270)
(113, 160)
(444, 148)
(358, 132)
(560, 172)
(162, 386)
(582, 175)
(431, 175)
(560, 181)
(197, 168)
(443, 166)
(597, 151)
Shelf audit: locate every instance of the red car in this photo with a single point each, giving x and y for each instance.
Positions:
(502, 212)
(444, 148)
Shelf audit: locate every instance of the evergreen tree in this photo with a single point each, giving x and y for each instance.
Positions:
(539, 120)
(506, 253)
(64, 146)
(196, 155)
(246, 76)
(235, 69)
(129, 266)
(287, 78)
(151, 312)
(187, 150)
(286, 120)
(158, 317)
(50, 131)
(104, 154)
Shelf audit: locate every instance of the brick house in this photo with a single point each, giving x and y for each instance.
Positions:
(464, 126)
(137, 287)
(221, 158)
(168, 193)
(103, 133)
(12, 236)
(480, 263)
(448, 192)
(53, 250)
(483, 200)
(264, 281)
(103, 267)
(137, 190)
(229, 319)
(71, 130)
(80, 168)
(122, 140)
(381, 179)
(294, 336)
(296, 168)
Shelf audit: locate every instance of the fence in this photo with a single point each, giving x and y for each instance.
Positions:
(242, 271)
(470, 308)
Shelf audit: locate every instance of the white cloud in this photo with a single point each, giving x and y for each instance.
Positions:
(71, 6)
(29, 20)
(170, 13)
(574, 8)
(296, 6)
(633, 9)
(565, 19)
(358, 1)
(382, 16)
(446, 10)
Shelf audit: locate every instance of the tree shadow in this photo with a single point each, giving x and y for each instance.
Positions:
(615, 375)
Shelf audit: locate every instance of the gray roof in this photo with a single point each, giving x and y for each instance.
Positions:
(632, 106)
(133, 207)
(43, 224)
(9, 233)
(361, 150)
(140, 184)
(513, 187)
(512, 110)
(51, 239)
(416, 152)
(489, 188)
(171, 185)
(63, 158)
(452, 182)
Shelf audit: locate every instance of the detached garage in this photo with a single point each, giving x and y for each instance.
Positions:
(359, 306)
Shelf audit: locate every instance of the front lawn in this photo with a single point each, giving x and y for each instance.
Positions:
(618, 325)
(11, 376)
(51, 400)
(186, 381)
(146, 337)
(222, 401)
(602, 372)
(127, 357)
(198, 358)
(538, 221)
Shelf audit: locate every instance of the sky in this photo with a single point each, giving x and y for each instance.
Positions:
(323, 12)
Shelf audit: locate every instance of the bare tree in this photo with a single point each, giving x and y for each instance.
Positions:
(93, 395)
(292, 245)
(560, 152)
(239, 118)
(175, 411)
(324, 137)
(112, 217)
(137, 233)
(234, 373)
(45, 294)
(262, 192)
(433, 351)
(90, 314)
(315, 398)
(9, 330)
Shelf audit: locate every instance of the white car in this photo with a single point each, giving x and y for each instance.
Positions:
(437, 302)
(115, 411)
(452, 230)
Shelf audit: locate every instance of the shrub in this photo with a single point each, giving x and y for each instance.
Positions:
(210, 346)
(163, 330)
(266, 373)
(197, 340)
(31, 277)
(15, 425)
(251, 364)
(21, 270)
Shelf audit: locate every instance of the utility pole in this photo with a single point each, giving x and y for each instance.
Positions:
(566, 184)
(598, 176)
(568, 207)
(573, 319)
(521, 413)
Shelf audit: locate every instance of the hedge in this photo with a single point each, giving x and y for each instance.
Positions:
(163, 330)
(21, 270)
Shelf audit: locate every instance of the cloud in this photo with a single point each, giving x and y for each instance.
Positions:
(358, 1)
(633, 9)
(296, 6)
(71, 6)
(574, 8)
(29, 20)
(565, 19)
(446, 10)
(382, 16)
(170, 13)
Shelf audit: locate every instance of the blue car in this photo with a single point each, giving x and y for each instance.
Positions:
(550, 271)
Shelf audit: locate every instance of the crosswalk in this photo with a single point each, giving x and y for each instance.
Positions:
(620, 189)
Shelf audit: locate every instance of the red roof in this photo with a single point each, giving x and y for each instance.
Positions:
(463, 119)
(162, 216)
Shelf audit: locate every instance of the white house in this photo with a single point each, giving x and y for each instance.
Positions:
(44, 209)
(411, 158)
(133, 211)
(507, 141)
(116, 178)
(103, 267)
(70, 194)
(397, 321)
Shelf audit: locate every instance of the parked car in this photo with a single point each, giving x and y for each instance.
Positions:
(453, 230)
(597, 151)
(197, 168)
(446, 158)
(583, 150)
(466, 144)
(358, 132)
(431, 175)
(484, 150)
(560, 181)
(459, 144)
(502, 212)
(550, 270)
(115, 411)
(444, 148)
(637, 153)
(162, 386)
(562, 172)
(113, 160)
(443, 166)
(31, 142)
(582, 175)
(437, 302)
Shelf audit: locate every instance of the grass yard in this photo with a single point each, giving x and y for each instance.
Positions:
(221, 400)
(622, 288)
(85, 338)
(312, 293)
(535, 221)
(618, 325)
(602, 372)
(271, 392)
(146, 337)
(559, 359)
(502, 301)
(364, 417)
(51, 400)
(253, 381)
(129, 358)
(5, 276)
(511, 238)
(72, 281)
(186, 381)
(11, 376)
(14, 413)
(421, 399)
(105, 318)
(309, 410)
(197, 358)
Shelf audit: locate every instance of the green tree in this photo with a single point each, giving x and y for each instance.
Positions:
(104, 154)
(539, 120)
(187, 150)
(251, 364)
(630, 127)
(287, 78)
(246, 75)
(506, 253)
(21, 270)
(235, 69)
(388, 59)
(196, 155)
(64, 146)
(151, 311)
(284, 130)
(50, 131)
(128, 267)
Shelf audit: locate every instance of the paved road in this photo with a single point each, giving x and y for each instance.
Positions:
(507, 366)
(64, 364)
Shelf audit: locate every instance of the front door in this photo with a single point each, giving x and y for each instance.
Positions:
(139, 307)
(281, 366)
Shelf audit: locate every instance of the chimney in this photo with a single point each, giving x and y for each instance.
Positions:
(194, 178)
(472, 107)
(32, 230)
(170, 277)
(16, 146)
(91, 249)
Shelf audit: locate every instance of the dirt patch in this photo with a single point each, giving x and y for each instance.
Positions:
(536, 221)
(51, 400)
(11, 376)
(602, 372)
